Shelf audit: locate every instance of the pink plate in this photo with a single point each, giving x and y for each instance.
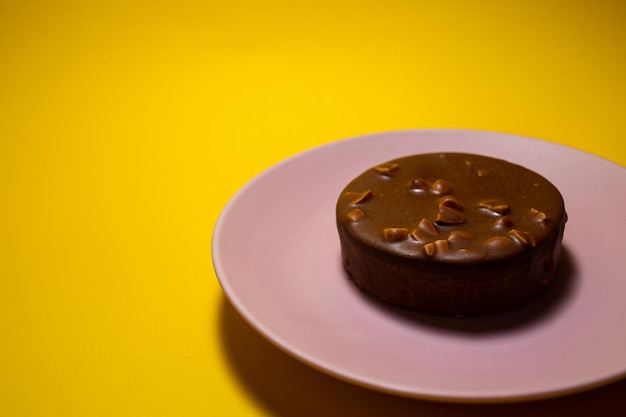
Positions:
(276, 255)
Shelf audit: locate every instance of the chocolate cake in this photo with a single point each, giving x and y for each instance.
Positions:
(451, 233)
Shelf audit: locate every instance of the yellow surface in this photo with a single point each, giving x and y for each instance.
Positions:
(126, 126)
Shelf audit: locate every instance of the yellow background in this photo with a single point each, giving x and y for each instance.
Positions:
(126, 126)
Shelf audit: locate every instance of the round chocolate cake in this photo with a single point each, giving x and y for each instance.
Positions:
(451, 233)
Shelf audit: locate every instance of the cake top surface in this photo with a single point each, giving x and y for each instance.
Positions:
(450, 207)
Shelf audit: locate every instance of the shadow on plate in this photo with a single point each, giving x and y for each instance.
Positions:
(536, 310)
(282, 386)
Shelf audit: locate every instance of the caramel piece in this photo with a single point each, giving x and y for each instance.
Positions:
(425, 231)
(427, 227)
(524, 237)
(538, 215)
(460, 236)
(503, 223)
(448, 216)
(495, 206)
(395, 234)
(386, 169)
(441, 186)
(419, 185)
(362, 197)
(482, 172)
(356, 215)
(450, 202)
(441, 246)
(429, 248)
(498, 242)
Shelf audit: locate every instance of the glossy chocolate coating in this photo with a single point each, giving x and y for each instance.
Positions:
(451, 233)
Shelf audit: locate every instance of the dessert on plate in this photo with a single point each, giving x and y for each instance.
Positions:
(451, 233)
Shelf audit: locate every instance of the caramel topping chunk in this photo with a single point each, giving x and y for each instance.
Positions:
(498, 242)
(356, 215)
(458, 236)
(441, 246)
(441, 186)
(525, 237)
(362, 197)
(427, 227)
(448, 216)
(540, 216)
(395, 234)
(494, 206)
(425, 231)
(386, 169)
(451, 202)
(503, 222)
(419, 185)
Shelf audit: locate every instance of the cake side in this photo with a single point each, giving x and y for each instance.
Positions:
(456, 289)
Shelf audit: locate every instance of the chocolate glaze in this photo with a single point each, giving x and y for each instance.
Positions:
(451, 233)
